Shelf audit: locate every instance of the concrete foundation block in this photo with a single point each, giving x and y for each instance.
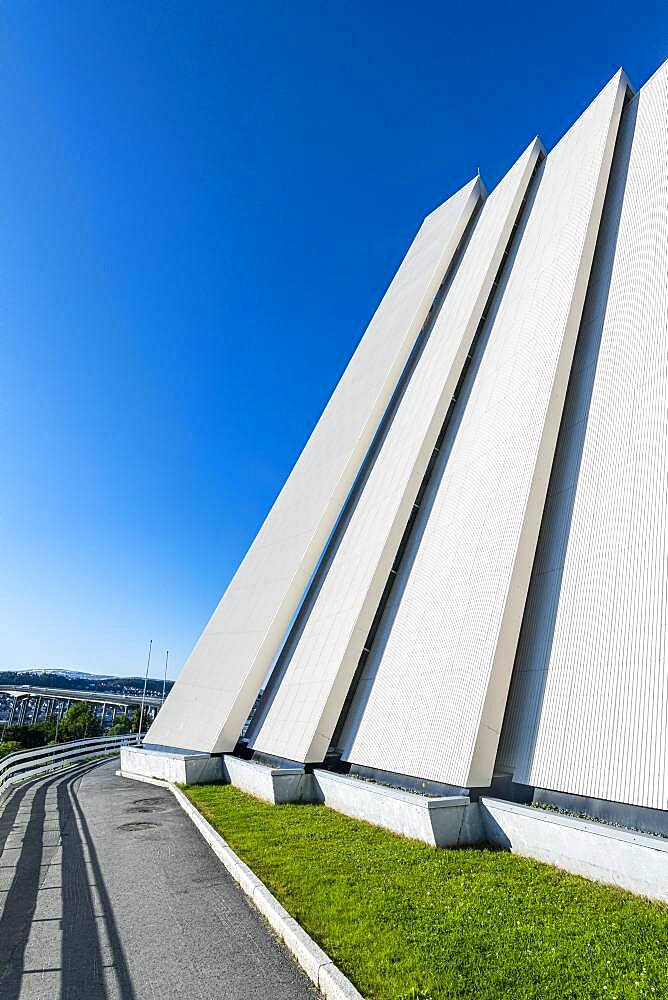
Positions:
(472, 831)
(181, 768)
(273, 784)
(447, 821)
(632, 861)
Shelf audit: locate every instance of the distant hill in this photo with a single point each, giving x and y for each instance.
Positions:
(40, 671)
(77, 680)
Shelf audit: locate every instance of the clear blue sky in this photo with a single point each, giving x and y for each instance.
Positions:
(202, 204)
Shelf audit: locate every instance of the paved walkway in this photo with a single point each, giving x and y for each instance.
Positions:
(107, 892)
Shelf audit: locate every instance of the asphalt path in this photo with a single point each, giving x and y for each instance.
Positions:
(107, 892)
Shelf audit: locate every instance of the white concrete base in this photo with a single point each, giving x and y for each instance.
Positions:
(273, 784)
(449, 821)
(632, 861)
(182, 768)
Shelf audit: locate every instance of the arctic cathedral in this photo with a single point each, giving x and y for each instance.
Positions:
(463, 583)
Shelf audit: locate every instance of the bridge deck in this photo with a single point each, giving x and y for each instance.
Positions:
(107, 892)
(100, 697)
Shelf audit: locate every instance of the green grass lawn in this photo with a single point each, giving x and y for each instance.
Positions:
(403, 920)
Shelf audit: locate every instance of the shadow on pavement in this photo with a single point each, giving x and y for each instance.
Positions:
(89, 939)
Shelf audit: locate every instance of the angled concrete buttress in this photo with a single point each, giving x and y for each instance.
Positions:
(217, 687)
(433, 696)
(322, 664)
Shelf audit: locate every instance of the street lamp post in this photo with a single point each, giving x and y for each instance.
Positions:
(164, 679)
(143, 697)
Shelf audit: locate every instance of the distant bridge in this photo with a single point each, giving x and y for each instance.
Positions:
(29, 700)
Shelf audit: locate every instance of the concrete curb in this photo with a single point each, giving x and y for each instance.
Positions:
(315, 962)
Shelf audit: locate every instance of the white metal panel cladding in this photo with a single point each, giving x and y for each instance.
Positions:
(588, 712)
(303, 714)
(216, 689)
(433, 695)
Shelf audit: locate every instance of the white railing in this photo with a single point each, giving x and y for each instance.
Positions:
(16, 767)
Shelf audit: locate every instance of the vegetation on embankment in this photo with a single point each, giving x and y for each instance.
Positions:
(403, 920)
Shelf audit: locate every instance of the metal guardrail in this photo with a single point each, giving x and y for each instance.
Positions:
(16, 767)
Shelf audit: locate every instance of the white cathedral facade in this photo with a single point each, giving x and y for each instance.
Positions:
(463, 583)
